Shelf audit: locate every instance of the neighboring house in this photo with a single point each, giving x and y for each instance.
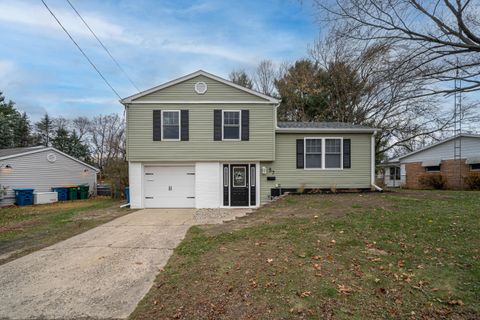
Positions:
(406, 170)
(202, 141)
(41, 168)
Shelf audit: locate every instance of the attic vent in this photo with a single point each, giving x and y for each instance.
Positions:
(51, 157)
(200, 87)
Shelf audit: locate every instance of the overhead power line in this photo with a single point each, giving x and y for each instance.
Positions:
(83, 52)
(103, 46)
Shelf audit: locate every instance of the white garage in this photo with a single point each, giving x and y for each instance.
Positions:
(169, 187)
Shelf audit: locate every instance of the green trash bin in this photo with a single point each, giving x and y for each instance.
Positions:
(83, 192)
(72, 192)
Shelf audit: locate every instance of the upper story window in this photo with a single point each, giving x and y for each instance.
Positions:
(171, 125)
(231, 125)
(323, 153)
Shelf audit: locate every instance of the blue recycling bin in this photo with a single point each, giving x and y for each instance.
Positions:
(127, 194)
(62, 193)
(23, 196)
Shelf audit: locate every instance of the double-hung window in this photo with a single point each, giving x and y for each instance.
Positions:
(171, 125)
(333, 153)
(231, 125)
(323, 153)
(313, 153)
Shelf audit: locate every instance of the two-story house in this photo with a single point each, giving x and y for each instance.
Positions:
(201, 141)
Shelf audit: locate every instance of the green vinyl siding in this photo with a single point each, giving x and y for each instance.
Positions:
(185, 91)
(288, 176)
(201, 146)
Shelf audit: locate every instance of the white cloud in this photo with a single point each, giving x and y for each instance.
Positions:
(37, 16)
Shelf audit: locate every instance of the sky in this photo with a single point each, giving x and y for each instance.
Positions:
(154, 41)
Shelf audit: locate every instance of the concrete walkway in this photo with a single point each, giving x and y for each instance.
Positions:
(102, 273)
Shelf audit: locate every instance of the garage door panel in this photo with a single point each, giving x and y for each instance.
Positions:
(169, 187)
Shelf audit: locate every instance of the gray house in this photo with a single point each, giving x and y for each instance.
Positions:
(41, 168)
(201, 141)
(437, 158)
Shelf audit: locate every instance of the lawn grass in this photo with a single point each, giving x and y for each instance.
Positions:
(30, 228)
(404, 255)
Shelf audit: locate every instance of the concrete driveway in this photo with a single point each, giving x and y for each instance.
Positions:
(102, 273)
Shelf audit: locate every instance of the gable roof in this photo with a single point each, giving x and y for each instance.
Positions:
(17, 152)
(463, 135)
(131, 98)
(322, 126)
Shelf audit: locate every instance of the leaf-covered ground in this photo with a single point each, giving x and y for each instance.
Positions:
(405, 255)
(30, 228)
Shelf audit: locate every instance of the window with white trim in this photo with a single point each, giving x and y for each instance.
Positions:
(313, 153)
(323, 153)
(333, 153)
(231, 125)
(171, 125)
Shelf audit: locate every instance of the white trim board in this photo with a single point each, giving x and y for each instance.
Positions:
(131, 98)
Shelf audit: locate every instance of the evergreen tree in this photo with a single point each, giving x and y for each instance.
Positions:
(22, 134)
(44, 129)
(14, 126)
(71, 144)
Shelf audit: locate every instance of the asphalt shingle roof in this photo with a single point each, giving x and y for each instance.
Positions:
(321, 125)
(14, 151)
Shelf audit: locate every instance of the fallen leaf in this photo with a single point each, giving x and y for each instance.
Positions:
(456, 302)
(269, 260)
(401, 263)
(316, 266)
(305, 294)
(343, 289)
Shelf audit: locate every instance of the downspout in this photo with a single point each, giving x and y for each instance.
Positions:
(372, 182)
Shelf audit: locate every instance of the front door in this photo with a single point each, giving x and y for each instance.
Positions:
(239, 185)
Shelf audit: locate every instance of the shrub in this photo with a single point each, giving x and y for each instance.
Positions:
(433, 181)
(473, 180)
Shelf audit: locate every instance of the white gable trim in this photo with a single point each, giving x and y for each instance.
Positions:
(130, 99)
(49, 149)
(439, 143)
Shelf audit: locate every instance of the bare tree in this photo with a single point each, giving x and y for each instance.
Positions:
(436, 40)
(265, 76)
(241, 78)
(107, 138)
(81, 125)
(362, 87)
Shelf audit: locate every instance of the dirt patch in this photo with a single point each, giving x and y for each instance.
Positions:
(19, 226)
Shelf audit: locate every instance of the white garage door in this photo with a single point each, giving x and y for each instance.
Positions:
(169, 187)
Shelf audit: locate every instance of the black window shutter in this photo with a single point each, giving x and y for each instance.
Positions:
(217, 125)
(157, 125)
(184, 125)
(245, 125)
(347, 151)
(300, 154)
